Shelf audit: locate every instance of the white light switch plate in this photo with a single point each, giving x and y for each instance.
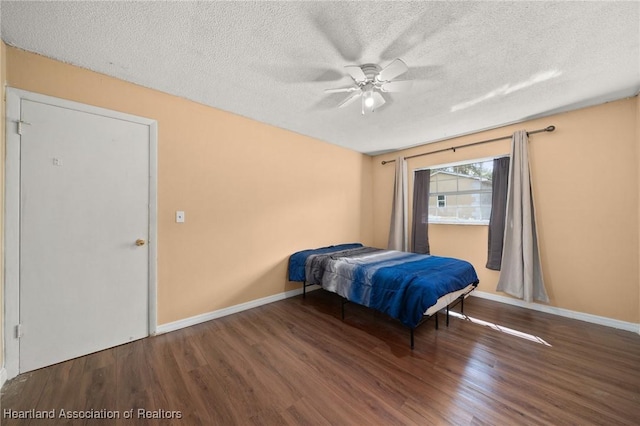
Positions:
(179, 217)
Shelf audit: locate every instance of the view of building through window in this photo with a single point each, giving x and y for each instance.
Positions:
(461, 194)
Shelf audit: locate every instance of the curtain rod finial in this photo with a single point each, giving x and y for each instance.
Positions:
(550, 129)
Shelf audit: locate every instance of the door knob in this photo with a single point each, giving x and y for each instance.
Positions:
(140, 242)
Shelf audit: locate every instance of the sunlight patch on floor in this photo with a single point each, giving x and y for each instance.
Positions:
(501, 328)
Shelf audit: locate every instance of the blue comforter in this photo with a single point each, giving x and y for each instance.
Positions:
(402, 285)
(298, 260)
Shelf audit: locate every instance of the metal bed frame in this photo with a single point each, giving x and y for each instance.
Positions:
(457, 301)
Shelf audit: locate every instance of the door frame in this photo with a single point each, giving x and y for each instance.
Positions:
(12, 213)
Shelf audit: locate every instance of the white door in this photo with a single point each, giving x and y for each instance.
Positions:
(84, 201)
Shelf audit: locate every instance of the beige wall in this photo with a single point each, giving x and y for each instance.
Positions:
(586, 187)
(252, 193)
(3, 74)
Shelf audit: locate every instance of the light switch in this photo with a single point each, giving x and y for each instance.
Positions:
(179, 217)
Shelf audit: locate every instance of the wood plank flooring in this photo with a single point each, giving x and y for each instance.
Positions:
(295, 362)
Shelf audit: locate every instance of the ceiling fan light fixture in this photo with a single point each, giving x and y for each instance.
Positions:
(368, 98)
(370, 80)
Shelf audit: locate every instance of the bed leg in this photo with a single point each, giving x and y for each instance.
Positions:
(436, 317)
(462, 304)
(411, 330)
(447, 315)
(304, 289)
(342, 309)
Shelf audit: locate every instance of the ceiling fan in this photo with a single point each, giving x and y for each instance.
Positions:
(370, 80)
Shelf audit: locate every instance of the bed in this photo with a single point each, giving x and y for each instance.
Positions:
(409, 287)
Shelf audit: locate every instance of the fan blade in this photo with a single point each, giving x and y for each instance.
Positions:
(356, 73)
(397, 86)
(349, 99)
(342, 89)
(391, 71)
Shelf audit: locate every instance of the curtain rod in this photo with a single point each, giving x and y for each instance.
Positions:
(453, 148)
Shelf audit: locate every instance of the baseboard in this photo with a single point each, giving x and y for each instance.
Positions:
(188, 322)
(3, 377)
(595, 319)
(197, 319)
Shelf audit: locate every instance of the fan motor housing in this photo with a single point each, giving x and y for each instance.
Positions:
(370, 70)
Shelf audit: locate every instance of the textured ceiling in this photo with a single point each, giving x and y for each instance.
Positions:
(476, 65)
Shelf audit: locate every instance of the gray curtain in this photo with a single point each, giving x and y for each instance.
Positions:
(398, 230)
(521, 272)
(499, 185)
(420, 225)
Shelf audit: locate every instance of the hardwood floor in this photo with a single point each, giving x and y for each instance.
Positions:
(295, 362)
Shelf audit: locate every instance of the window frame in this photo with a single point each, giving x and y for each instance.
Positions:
(464, 192)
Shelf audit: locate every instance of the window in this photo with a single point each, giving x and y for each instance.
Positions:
(461, 193)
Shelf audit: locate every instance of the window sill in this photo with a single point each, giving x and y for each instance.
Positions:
(461, 223)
